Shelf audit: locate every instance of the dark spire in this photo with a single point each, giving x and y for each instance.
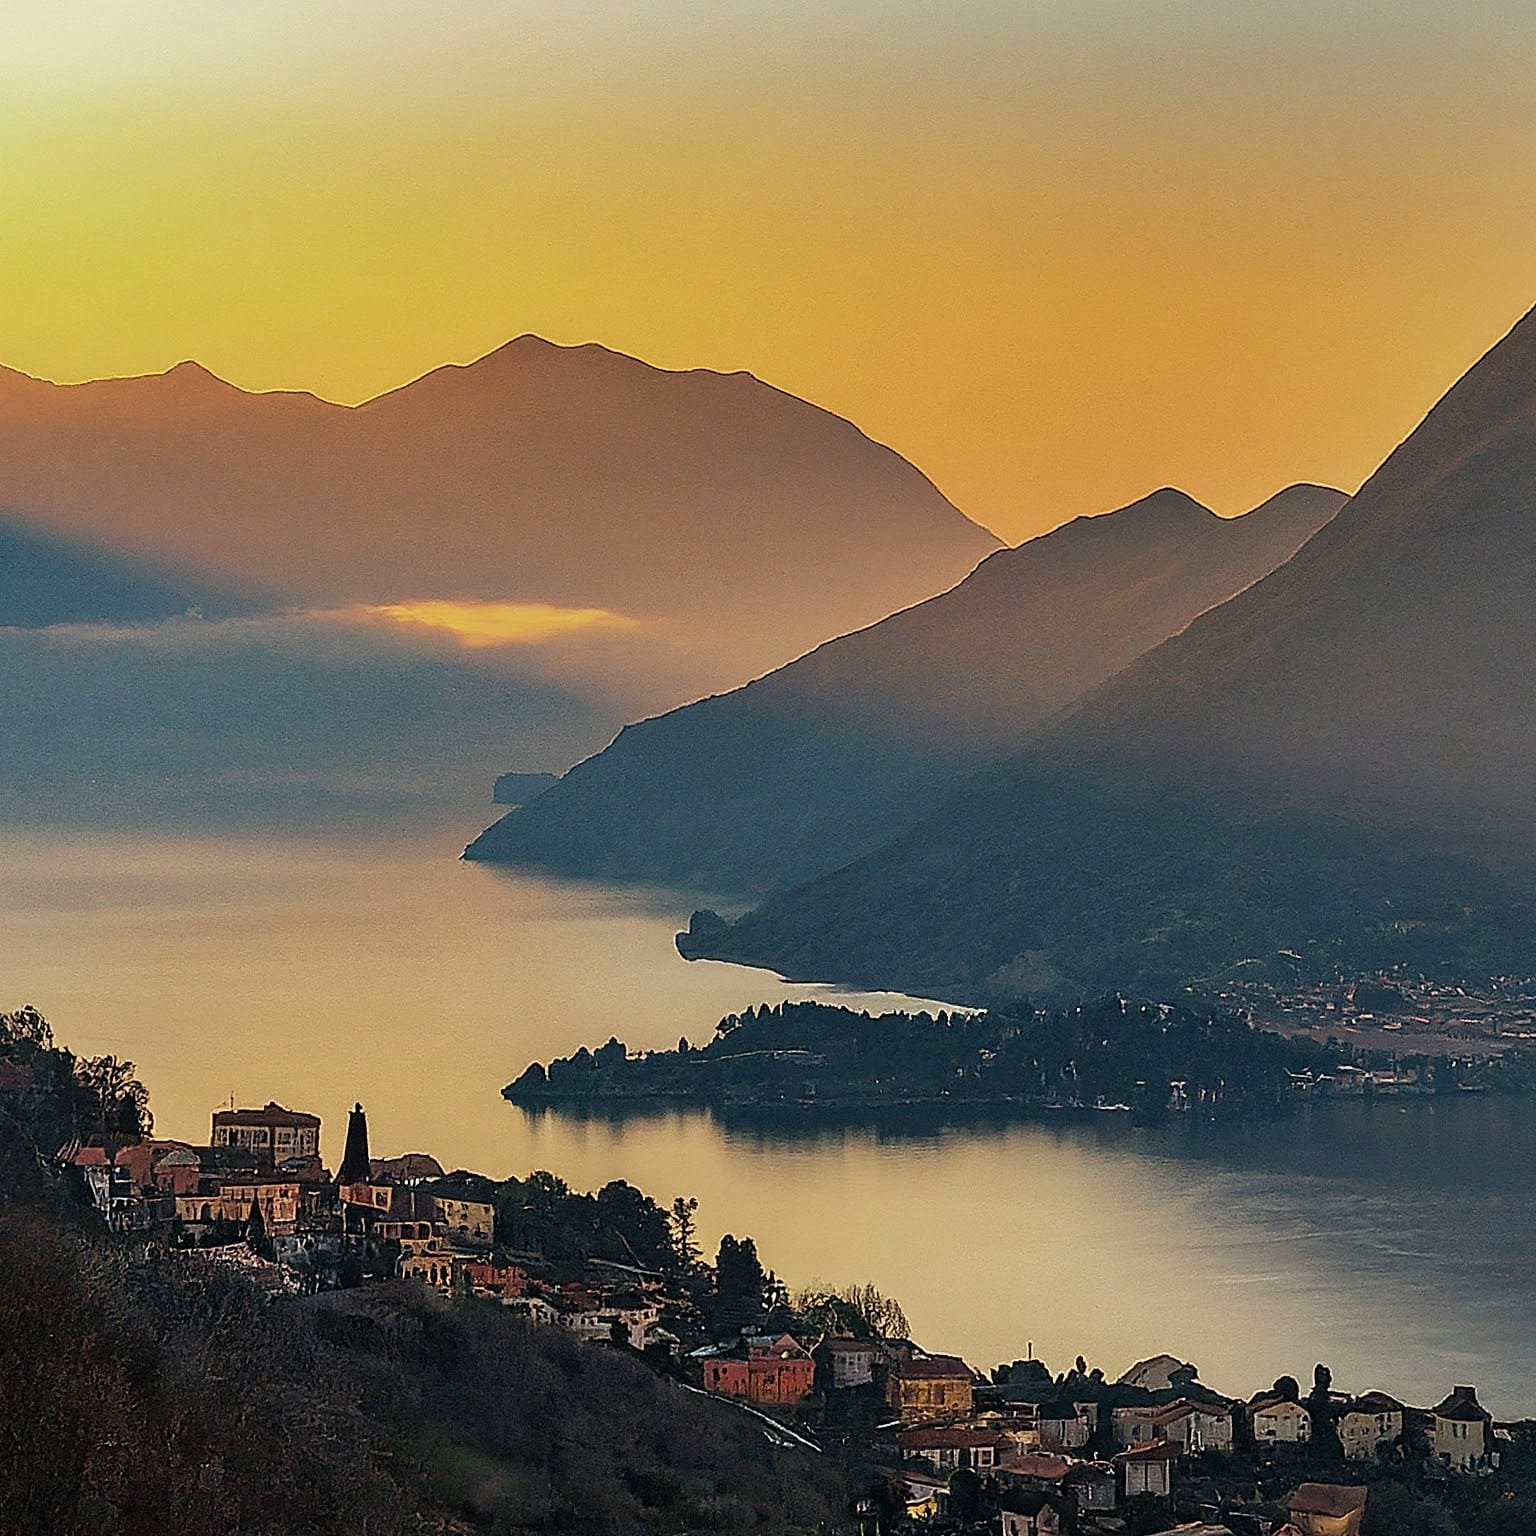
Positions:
(355, 1166)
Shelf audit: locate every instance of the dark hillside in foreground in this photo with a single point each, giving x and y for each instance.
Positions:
(382, 1411)
(820, 761)
(141, 1394)
(1337, 763)
(147, 1389)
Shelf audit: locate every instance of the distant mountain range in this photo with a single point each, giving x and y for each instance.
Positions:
(823, 759)
(232, 606)
(738, 524)
(1332, 770)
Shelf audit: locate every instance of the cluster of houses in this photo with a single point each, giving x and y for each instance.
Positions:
(261, 1171)
(1066, 1455)
(1058, 1454)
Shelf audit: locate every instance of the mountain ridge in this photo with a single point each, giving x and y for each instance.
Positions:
(740, 523)
(820, 758)
(1329, 772)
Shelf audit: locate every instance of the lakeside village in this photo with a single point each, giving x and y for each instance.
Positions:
(938, 1444)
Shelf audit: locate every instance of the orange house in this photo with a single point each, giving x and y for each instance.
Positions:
(773, 1372)
(504, 1280)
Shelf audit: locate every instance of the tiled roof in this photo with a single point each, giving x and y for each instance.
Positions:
(943, 1439)
(934, 1368)
(1333, 1499)
(1157, 1450)
(1461, 1404)
(1083, 1470)
(269, 1114)
(1038, 1464)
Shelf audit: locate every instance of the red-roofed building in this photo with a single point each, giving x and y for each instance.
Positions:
(774, 1371)
(506, 1281)
(945, 1448)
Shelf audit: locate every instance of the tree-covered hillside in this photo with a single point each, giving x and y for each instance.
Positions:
(143, 1390)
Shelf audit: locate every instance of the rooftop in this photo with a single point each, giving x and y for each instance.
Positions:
(944, 1439)
(934, 1368)
(1461, 1404)
(269, 1114)
(1333, 1499)
(1040, 1464)
(1158, 1450)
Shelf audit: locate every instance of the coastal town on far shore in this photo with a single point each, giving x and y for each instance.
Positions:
(1017, 1450)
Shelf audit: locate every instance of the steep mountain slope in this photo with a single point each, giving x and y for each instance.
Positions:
(1335, 763)
(717, 511)
(45, 579)
(1395, 659)
(822, 759)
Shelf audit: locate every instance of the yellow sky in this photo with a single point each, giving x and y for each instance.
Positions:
(1057, 252)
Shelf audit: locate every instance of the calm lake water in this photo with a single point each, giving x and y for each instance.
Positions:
(1395, 1243)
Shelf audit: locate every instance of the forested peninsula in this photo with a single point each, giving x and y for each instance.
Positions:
(1113, 1054)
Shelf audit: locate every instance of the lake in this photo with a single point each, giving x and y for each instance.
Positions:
(1396, 1243)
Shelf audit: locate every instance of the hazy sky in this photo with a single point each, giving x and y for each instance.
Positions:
(1057, 252)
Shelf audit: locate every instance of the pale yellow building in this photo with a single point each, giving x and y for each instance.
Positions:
(1368, 1423)
(272, 1133)
(471, 1221)
(277, 1199)
(1327, 1509)
(930, 1387)
(1194, 1427)
(1278, 1421)
(434, 1263)
(1463, 1431)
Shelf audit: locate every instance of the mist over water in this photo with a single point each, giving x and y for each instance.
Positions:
(1393, 1242)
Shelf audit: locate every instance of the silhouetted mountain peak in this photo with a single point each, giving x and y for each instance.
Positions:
(1165, 512)
(821, 757)
(577, 476)
(190, 371)
(1392, 657)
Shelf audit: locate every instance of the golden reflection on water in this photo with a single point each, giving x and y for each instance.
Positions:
(318, 975)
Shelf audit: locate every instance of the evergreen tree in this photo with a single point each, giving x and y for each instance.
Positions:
(685, 1249)
(256, 1233)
